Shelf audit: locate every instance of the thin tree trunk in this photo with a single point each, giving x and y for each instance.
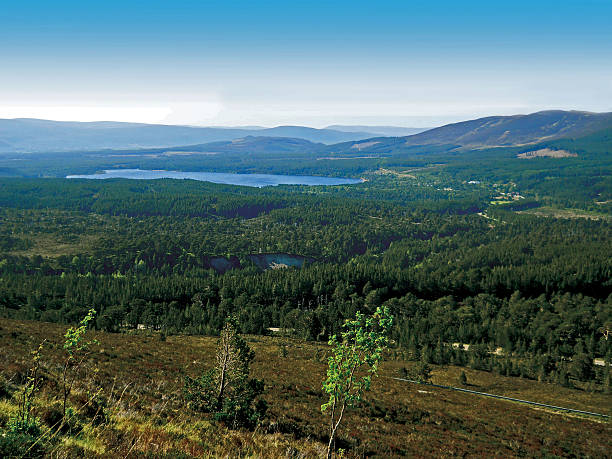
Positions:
(330, 445)
(332, 432)
(332, 437)
(222, 376)
(65, 374)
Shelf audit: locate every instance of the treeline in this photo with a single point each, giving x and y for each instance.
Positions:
(143, 198)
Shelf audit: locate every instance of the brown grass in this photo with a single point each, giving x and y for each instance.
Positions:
(142, 377)
(546, 153)
(565, 213)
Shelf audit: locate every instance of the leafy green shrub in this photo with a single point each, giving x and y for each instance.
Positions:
(22, 445)
(21, 438)
(77, 350)
(360, 347)
(29, 426)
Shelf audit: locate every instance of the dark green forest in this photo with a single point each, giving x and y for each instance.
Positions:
(528, 295)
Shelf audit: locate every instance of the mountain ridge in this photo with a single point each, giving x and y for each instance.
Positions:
(486, 132)
(35, 135)
(515, 129)
(387, 131)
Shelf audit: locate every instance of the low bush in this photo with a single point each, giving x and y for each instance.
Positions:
(22, 445)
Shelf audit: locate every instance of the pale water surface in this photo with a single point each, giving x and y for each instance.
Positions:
(256, 180)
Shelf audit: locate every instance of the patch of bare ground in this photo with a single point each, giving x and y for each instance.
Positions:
(49, 245)
(397, 174)
(546, 153)
(564, 213)
(336, 158)
(189, 153)
(361, 146)
(278, 266)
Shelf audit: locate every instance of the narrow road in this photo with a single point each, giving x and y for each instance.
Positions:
(502, 397)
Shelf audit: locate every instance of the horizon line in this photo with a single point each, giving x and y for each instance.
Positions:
(327, 126)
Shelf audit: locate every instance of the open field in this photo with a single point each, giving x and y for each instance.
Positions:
(545, 211)
(546, 153)
(141, 377)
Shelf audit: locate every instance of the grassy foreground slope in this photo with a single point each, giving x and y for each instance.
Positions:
(140, 378)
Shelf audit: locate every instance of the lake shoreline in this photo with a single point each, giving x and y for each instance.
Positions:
(253, 180)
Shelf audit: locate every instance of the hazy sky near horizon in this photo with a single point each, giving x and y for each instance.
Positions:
(411, 63)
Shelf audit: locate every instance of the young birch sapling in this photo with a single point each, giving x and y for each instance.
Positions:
(24, 421)
(77, 350)
(354, 360)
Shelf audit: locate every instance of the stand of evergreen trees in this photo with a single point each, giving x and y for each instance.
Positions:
(529, 295)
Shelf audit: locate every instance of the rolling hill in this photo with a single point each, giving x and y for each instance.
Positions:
(260, 144)
(515, 130)
(33, 135)
(495, 131)
(251, 144)
(388, 131)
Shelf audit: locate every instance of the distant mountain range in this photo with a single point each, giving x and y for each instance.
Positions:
(515, 130)
(493, 131)
(251, 144)
(385, 131)
(31, 135)
(27, 135)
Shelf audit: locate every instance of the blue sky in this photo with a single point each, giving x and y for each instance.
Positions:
(409, 63)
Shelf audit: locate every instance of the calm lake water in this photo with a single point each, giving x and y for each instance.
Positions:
(256, 180)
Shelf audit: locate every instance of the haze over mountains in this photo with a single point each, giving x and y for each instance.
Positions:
(256, 144)
(387, 131)
(26, 135)
(493, 131)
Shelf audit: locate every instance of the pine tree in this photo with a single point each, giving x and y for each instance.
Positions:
(226, 390)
